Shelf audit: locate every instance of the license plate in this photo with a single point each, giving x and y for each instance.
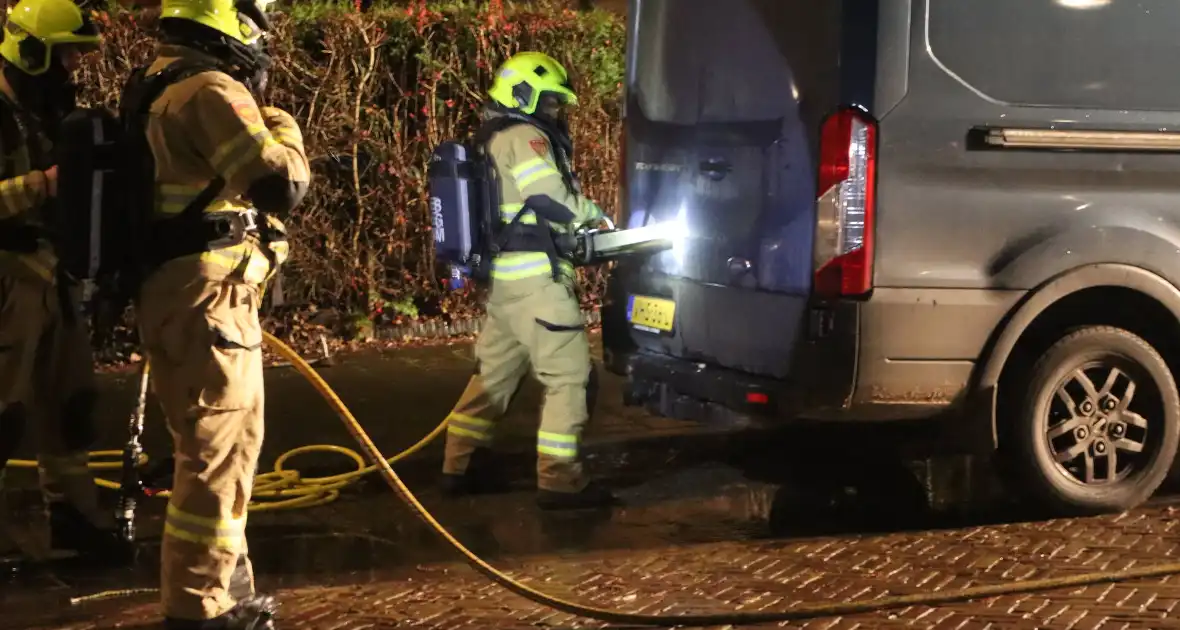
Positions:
(651, 314)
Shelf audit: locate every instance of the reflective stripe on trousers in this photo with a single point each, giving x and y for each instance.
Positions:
(224, 534)
(462, 425)
(213, 398)
(562, 446)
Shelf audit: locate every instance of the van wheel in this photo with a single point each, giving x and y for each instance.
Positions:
(1098, 426)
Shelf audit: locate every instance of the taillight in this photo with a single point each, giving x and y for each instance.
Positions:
(845, 206)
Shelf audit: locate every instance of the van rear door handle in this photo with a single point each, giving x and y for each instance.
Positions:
(715, 168)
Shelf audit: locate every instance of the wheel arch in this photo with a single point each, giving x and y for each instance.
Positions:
(983, 405)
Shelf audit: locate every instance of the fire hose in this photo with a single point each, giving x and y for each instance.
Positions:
(293, 491)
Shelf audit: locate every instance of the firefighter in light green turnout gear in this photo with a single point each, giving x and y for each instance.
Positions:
(533, 316)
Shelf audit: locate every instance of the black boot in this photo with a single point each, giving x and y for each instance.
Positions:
(593, 496)
(71, 531)
(483, 476)
(253, 613)
(11, 555)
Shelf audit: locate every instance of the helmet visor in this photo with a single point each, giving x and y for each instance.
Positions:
(84, 39)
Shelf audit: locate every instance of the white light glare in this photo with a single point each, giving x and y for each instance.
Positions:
(677, 226)
(678, 233)
(1083, 4)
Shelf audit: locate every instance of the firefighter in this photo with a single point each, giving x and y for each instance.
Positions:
(46, 369)
(226, 172)
(533, 315)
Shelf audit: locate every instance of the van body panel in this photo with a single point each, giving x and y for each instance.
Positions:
(964, 230)
(955, 216)
(919, 346)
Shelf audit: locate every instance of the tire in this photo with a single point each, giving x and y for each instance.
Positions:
(1044, 429)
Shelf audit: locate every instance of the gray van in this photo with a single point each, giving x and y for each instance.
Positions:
(964, 213)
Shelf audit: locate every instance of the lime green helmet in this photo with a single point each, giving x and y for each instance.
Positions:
(243, 20)
(35, 27)
(526, 76)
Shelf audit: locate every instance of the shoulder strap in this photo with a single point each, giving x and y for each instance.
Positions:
(18, 131)
(142, 90)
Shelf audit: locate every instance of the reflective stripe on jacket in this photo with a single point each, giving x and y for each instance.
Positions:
(526, 166)
(209, 125)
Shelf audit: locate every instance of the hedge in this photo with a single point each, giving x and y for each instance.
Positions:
(374, 92)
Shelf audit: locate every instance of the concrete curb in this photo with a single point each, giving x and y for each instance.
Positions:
(457, 328)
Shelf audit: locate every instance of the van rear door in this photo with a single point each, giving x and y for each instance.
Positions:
(726, 102)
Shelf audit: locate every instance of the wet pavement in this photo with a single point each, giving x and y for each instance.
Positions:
(716, 519)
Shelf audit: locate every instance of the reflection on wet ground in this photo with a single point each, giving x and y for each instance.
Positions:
(680, 487)
(687, 493)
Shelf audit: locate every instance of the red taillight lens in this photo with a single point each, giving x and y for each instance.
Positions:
(845, 205)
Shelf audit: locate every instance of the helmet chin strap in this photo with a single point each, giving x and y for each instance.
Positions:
(242, 61)
(250, 9)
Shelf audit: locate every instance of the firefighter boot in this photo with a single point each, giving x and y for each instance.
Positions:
(71, 531)
(593, 496)
(481, 476)
(11, 554)
(252, 613)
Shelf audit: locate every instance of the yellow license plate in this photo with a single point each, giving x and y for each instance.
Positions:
(651, 314)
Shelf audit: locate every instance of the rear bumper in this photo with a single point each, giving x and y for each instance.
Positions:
(787, 358)
(906, 355)
(678, 388)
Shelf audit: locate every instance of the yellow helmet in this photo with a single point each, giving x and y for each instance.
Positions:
(35, 27)
(243, 20)
(522, 80)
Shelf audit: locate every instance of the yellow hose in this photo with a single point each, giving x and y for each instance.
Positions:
(281, 489)
(326, 486)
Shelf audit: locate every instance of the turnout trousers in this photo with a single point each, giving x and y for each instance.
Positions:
(47, 381)
(533, 321)
(204, 340)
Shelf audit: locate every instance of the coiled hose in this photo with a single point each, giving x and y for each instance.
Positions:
(289, 487)
(281, 489)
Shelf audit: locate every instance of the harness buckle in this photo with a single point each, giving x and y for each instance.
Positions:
(235, 225)
(249, 219)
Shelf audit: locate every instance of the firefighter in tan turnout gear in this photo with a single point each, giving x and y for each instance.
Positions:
(46, 370)
(226, 171)
(533, 316)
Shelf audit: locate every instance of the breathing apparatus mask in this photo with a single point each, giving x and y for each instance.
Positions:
(552, 110)
(43, 43)
(50, 95)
